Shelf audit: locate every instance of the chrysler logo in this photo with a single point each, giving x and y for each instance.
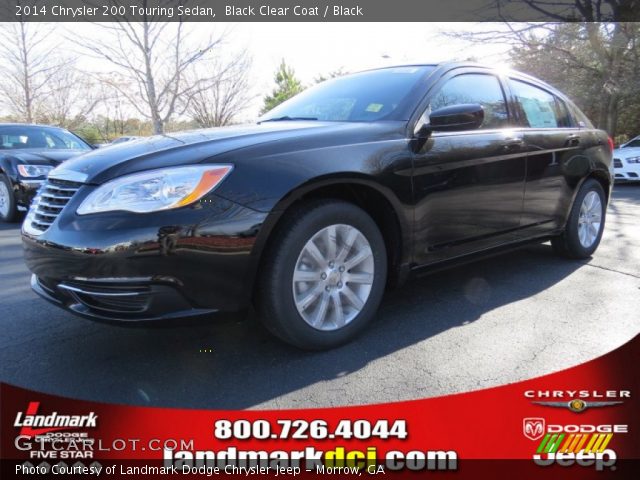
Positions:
(577, 405)
(533, 428)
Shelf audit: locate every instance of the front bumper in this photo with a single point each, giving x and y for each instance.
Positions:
(25, 190)
(626, 176)
(625, 171)
(124, 299)
(132, 267)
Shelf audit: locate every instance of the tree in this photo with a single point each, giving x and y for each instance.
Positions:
(71, 97)
(29, 66)
(333, 74)
(224, 96)
(565, 10)
(153, 57)
(287, 85)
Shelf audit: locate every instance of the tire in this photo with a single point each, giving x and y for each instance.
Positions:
(570, 243)
(8, 208)
(309, 311)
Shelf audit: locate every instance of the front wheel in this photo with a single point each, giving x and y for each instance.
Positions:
(8, 209)
(585, 225)
(324, 275)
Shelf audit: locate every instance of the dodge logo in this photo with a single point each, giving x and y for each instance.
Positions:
(533, 428)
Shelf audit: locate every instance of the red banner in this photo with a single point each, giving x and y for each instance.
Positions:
(578, 423)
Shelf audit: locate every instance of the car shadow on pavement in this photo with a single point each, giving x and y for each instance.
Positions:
(233, 363)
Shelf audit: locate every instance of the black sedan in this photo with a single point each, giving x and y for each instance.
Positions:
(27, 154)
(351, 186)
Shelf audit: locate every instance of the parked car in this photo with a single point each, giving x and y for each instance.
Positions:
(354, 184)
(27, 154)
(626, 161)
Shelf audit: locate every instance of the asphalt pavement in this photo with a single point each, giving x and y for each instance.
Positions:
(497, 321)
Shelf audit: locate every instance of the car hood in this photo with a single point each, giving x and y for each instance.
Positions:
(197, 146)
(626, 152)
(42, 157)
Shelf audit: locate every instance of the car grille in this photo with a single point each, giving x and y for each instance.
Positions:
(617, 163)
(52, 197)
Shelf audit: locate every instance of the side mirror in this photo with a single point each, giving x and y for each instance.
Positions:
(466, 116)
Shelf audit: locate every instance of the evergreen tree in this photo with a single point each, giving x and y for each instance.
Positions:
(287, 85)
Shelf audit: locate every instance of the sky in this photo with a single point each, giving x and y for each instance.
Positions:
(316, 48)
(319, 48)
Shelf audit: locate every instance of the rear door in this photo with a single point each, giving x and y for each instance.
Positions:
(468, 185)
(555, 143)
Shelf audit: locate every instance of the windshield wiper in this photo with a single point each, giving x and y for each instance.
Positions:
(285, 118)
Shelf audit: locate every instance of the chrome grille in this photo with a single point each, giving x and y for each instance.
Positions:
(49, 202)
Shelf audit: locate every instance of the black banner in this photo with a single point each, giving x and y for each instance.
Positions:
(319, 10)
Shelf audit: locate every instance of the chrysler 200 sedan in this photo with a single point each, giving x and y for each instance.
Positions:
(351, 186)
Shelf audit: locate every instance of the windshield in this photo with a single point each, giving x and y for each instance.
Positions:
(362, 97)
(16, 137)
(633, 143)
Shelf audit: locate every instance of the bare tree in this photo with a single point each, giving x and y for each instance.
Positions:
(562, 10)
(72, 96)
(113, 116)
(29, 64)
(224, 95)
(153, 57)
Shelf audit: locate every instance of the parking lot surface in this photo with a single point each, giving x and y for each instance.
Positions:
(497, 321)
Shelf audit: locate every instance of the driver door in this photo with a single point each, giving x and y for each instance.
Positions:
(468, 185)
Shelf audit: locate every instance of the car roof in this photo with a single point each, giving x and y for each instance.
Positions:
(17, 124)
(452, 65)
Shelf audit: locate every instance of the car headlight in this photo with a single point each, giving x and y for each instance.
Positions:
(30, 171)
(155, 190)
(633, 160)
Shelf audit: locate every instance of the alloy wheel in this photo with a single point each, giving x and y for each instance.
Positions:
(590, 219)
(5, 199)
(333, 277)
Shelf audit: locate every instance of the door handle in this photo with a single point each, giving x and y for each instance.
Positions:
(572, 141)
(512, 143)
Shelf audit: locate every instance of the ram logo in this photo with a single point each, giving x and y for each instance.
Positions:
(533, 428)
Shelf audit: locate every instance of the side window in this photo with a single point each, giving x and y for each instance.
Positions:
(564, 119)
(50, 141)
(475, 88)
(539, 106)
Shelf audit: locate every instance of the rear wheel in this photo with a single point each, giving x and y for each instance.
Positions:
(324, 275)
(8, 209)
(585, 225)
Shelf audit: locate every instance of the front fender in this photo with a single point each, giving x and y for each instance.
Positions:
(308, 189)
(8, 168)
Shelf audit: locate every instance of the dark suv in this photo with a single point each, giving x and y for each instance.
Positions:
(352, 185)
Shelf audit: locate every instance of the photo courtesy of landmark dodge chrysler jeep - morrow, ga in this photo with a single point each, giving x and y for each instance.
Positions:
(352, 185)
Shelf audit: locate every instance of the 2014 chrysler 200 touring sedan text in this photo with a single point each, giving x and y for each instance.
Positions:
(350, 186)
